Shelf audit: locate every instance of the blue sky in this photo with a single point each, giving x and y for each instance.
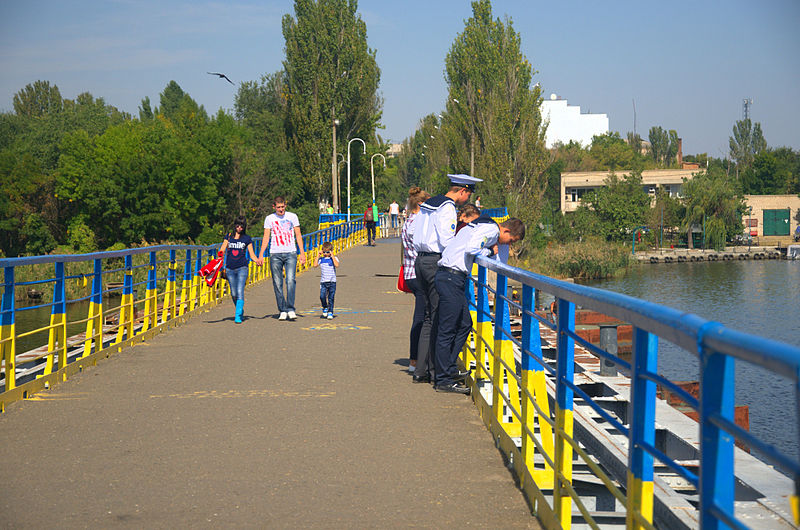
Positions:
(688, 65)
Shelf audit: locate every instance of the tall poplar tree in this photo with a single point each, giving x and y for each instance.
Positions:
(493, 123)
(331, 73)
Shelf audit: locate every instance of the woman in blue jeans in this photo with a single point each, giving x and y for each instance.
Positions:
(234, 247)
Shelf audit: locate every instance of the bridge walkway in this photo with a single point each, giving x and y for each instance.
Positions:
(312, 423)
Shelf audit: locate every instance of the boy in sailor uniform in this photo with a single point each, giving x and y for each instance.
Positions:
(435, 228)
(481, 237)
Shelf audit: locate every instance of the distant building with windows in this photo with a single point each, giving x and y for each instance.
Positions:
(394, 150)
(568, 124)
(575, 184)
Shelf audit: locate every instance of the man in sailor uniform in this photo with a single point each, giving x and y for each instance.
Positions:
(481, 237)
(435, 228)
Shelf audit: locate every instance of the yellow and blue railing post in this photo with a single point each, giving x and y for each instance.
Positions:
(168, 310)
(58, 322)
(151, 296)
(186, 284)
(483, 327)
(94, 322)
(642, 428)
(466, 355)
(717, 479)
(194, 295)
(504, 356)
(534, 383)
(126, 309)
(8, 337)
(565, 372)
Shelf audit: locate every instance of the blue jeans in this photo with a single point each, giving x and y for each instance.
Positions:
(277, 264)
(327, 292)
(394, 220)
(237, 278)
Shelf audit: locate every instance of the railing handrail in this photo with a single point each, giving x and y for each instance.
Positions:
(105, 254)
(679, 327)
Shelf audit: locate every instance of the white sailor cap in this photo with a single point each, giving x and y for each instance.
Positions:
(465, 181)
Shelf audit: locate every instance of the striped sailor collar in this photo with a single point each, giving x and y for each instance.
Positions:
(481, 220)
(434, 203)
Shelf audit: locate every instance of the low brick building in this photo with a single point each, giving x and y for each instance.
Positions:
(771, 215)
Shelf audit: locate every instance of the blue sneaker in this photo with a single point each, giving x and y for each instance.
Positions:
(330, 316)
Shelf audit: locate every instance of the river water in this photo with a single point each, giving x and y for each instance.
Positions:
(757, 297)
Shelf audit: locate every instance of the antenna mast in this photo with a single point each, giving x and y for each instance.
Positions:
(746, 103)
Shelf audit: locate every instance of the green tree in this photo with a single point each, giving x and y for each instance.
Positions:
(493, 120)
(171, 99)
(145, 112)
(574, 157)
(37, 236)
(672, 151)
(747, 141)
(615, 210)
(659, 144)
(611, 151)
(773, 172)
(38, 99)
(711, 200)
(331, 73)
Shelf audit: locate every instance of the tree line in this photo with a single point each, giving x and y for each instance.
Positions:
(80, 175)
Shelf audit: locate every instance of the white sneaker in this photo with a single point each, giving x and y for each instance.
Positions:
(292, 315)
(411, 369)
(325, 314)
(330, 316)
(283, 316)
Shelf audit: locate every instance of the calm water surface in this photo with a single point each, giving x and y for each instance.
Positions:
(758, 297)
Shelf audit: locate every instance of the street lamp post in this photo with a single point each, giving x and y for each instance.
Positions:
(338, 177)
(372, 173)
(348, 171)
(334, 172)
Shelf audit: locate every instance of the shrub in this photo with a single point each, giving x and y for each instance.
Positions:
(591, 258)
(38, 239)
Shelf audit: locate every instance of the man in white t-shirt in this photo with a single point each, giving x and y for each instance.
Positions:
(282, 232)
(394, 210)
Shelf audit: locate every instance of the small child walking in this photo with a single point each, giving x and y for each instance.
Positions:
(327, 279)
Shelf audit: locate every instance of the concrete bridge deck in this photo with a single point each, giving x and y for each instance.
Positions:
(313, 423)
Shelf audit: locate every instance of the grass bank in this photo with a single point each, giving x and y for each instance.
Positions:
(587, 259)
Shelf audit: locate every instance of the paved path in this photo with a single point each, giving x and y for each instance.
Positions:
(265, 424)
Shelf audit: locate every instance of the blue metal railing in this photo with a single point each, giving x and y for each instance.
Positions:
(499, 356)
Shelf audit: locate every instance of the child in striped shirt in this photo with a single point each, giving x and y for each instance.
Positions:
(327, 279)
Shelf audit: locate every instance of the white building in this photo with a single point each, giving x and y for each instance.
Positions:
(568, 124)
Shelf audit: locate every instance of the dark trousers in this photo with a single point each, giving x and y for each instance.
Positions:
(327, 292)
(455, 324)
(419, 318)
(370, 231)
(426, 267)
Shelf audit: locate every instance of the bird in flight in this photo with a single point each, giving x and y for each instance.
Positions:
(221, 76)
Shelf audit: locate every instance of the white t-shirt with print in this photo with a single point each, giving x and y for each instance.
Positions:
(281, 237)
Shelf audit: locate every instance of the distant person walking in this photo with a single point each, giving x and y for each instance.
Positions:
(282, 231)
(369, 224)
(478, 201)
(394, 211)
(235, 247)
